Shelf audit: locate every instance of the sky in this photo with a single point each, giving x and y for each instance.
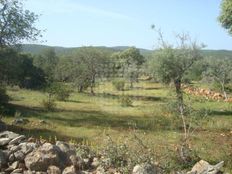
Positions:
(74, 23)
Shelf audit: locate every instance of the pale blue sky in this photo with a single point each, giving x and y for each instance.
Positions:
(73, 23)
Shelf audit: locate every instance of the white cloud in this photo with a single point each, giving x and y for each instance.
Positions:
(70, 7)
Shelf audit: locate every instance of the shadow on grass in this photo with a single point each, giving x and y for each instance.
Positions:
(75, 101)
(136, 97)
(148, 88)
(220, 113)
(91, 119)
(43, 133)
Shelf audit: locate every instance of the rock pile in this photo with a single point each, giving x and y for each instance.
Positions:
(208, 94)
(19, 155)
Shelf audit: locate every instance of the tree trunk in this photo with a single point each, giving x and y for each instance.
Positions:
(180, 100)
(131, 83)
(92, 84)
(80, 89)
(224, 91)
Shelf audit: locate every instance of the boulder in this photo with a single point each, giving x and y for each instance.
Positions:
(15, 165)
(4, 141)
(8, 134)
(203, 167)
(68, 154)
(66, 148)
(17, 140)
(69, 170)
(27, 147)
(19, 155)
(53, 170)
(145, 169)
(43, 157)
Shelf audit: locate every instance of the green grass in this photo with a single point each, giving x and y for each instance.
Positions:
(88, 118)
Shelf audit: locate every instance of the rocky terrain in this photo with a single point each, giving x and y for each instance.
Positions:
(22, 155)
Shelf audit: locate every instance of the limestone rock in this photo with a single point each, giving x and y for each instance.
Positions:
(17, 140)
(69, 170)
(145, 169)
(43, 157)
(203, 167)
(4, 141)
(8, 134)
(53, 170)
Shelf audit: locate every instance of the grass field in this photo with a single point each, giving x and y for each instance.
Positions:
(87, 119)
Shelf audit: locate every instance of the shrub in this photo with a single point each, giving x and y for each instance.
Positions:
(125, 100)
(63, 93)
(59, 91)
(119, 84)
(124, 153)
(49, 104)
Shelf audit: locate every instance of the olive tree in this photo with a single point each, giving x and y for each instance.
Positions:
(173, 62)
(17, 24)
(225, 17)
(128, 63)
(220, 71)
(84, 68)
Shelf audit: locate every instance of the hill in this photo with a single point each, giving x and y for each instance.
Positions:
(64, 51)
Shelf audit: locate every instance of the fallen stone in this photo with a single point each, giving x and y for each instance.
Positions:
(43, 157)
(17, 140)
(69, 170)
(95, 162)
(11, 158)
(4, 141)
(17, 171)
(53, 170)
(15, 165)
(203, 167)
(19, 155)
(8, 134)
(145, 169)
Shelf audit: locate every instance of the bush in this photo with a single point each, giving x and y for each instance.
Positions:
(125, 100)
(119, 84)
(125, 152)
(60, 91)
(49, 104)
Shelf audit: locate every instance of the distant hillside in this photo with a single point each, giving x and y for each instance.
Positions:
(63, 51)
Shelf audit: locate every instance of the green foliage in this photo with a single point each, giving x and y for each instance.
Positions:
(124, 154)
(47, 61)
(219, 71)
(18, 69)
(17, 24)
(125, 100)
(60, 91)
(49, 104)
(225, 17)
(3, 96)
(119, 84)
(128, 63)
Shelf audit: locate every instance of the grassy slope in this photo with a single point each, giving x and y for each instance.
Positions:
(88, 118)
